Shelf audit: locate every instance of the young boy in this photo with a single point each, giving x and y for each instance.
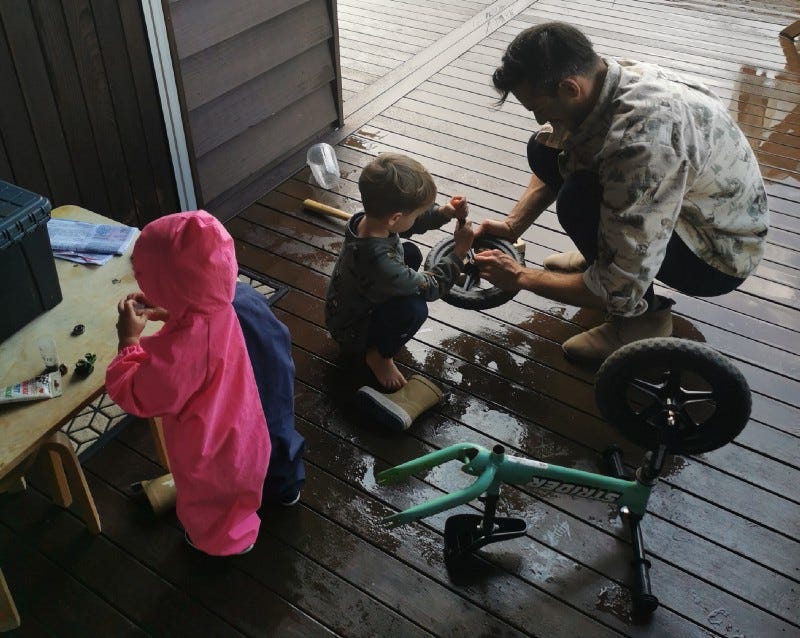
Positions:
(376, 299)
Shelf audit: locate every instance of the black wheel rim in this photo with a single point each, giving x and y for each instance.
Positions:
(473, 292)
(674, 403)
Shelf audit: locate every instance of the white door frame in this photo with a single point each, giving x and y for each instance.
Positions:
(170, 103)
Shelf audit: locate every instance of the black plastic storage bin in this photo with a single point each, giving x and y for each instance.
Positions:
(28, 279)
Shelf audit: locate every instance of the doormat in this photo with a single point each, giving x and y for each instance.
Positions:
(102, 420)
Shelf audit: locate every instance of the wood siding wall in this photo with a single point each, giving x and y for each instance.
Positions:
(80, 115)
(259, 81)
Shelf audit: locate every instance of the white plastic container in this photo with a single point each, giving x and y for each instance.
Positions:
(321, 159)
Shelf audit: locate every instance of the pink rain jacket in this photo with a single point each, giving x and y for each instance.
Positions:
(196, 374)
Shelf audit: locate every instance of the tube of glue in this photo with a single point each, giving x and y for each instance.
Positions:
(45, 386)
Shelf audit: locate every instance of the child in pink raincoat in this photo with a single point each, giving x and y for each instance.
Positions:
(196, 374)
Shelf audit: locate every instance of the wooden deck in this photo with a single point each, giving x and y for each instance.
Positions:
(722, 527)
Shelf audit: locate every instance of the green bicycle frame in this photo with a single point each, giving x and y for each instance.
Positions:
(493, 469)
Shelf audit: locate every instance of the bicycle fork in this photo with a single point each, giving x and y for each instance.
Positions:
(644, 601)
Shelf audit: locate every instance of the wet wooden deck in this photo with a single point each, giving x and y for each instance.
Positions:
(722, 527)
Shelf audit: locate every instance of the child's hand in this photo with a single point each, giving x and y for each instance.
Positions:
(145, 308)
(463, 237)
(130, 323)
(456, 208)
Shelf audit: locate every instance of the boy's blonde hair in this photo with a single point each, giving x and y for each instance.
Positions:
(393, 183)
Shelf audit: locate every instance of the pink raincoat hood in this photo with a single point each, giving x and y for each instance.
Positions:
(186, 261)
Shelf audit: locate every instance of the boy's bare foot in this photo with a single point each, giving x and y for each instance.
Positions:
(385, 370)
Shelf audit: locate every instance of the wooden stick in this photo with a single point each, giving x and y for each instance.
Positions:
(324, 209)
(792, 31)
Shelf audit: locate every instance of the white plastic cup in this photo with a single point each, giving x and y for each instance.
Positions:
(47, 348)
(321, 159)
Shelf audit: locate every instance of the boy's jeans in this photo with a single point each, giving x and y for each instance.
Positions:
(396, 321)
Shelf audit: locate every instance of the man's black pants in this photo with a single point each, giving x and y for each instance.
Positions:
(578, 209)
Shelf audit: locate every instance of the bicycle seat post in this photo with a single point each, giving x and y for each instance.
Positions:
(491, 498)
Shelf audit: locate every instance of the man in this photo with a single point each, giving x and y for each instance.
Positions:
(651, 177)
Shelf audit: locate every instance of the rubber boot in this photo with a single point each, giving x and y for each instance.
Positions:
(397, 411)
(599, 342)
(160, 493)
(572, 261)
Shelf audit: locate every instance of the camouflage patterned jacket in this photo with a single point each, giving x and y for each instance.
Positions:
(669, 157)
(371, 270)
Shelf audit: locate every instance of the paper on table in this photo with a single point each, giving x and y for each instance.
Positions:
(94, 259)
(70, 236)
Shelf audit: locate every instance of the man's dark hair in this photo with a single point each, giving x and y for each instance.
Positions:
(543, 56)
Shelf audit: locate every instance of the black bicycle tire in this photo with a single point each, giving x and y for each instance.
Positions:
(478, 298)
(728, 419)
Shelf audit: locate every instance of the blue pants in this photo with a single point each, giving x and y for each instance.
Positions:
(270, 349)
(578, 210)
(396, 321)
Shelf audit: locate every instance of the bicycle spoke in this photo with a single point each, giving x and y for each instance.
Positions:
(697, 396)
(684, 418)
(650, 389)
(470, 282)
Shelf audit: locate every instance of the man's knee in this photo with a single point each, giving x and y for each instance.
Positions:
(543, 161)
(580, 196)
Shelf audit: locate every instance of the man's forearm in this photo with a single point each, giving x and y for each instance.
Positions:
(536, 198)
(566, 288)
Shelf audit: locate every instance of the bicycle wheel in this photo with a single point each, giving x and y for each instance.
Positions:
(643, 384)
(474, 293)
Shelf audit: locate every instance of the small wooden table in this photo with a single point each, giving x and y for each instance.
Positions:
(90, 296)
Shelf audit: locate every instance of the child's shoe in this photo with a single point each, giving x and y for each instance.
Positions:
(289, 500)
(397, 411)
(160, 493)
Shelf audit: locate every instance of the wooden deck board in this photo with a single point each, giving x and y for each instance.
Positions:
(722, 527)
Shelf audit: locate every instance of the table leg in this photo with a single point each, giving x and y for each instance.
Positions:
(156, 429)
(9, 616)
(58, 486)
(59, 444)
(13, 484)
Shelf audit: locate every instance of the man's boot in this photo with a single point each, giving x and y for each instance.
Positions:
(160, 493)
(573, 261)
(598, 343)
(397, 411)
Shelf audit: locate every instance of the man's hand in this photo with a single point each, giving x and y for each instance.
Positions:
(456, 208)
(496, 228)
(499, 269)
